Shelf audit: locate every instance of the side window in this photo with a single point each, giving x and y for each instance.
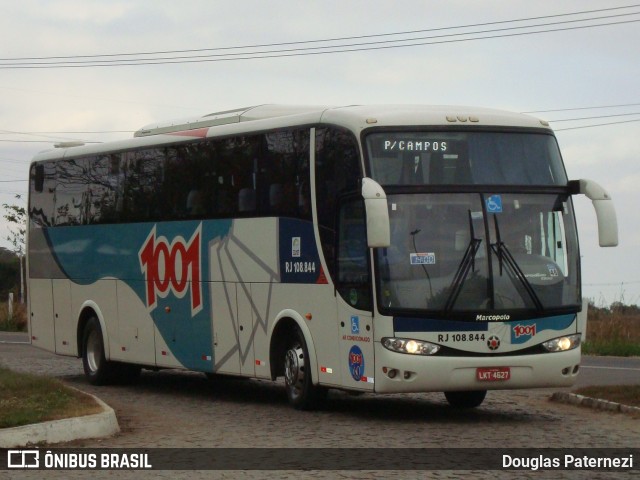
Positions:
(353, 282)
(338, 172)
(187, 182)
(72, 199)
(241, 156)
(41, 196)
(105, 182)
(142, 176)
(284, 177)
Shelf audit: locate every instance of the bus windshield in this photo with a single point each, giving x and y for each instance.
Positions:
(458, 250)
(456, 253)
(464, 158)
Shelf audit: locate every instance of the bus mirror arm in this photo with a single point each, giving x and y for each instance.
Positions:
(604, 207)
(377, 214)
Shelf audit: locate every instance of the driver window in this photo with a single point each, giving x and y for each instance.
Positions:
(353, 256)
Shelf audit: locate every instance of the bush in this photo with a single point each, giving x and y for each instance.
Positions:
(18, 323)
(613, 331)
(9, 276)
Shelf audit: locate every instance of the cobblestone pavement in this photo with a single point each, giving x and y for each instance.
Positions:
(177, 409)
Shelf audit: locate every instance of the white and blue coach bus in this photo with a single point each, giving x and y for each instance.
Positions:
(364, 248)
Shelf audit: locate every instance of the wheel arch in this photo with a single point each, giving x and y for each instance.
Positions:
(280, 332)
(87, 310)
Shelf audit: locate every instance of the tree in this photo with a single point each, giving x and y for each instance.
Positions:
(17, 218)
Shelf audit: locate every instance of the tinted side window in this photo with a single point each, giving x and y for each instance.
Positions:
(353, 281)
(71, 198)
(105, 189)
(142, 177)
(42, 194)
(337, 172)
(284, 176)
(244, 176)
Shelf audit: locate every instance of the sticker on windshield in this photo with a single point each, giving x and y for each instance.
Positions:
(423, 258)
(494, 204)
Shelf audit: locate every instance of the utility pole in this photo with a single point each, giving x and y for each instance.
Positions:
(21, 257)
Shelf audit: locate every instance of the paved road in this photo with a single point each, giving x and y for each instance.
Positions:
(172, 409)
(609, 371)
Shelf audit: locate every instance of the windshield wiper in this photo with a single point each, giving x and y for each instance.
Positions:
(515, 272)
(467, 264)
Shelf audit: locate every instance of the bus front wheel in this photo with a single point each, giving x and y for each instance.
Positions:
(468, 399)
(96, 367)
(301, 392)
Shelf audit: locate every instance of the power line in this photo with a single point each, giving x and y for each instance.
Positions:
(595, 118)
(330, 49)
(10, 160)
(595, 125)
(585, 108)
(10, 132)
(326, 40)
(7, 132)
(335, 39)
(27, 141)
(42, 134)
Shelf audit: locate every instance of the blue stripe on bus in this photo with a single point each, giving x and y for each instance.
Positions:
(94, 252)
(409, 324)
(520, 330)
(524, 330)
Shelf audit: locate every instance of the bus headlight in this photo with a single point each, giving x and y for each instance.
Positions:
(406, 345)
(562, 344)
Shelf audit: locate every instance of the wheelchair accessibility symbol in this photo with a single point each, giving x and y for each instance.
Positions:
(494, 204)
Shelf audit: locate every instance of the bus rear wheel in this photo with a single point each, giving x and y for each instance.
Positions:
(97, 369)
(468, 399)
(301, 392)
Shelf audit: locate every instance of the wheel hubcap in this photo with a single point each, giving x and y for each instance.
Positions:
(93, 351)
(294, 370)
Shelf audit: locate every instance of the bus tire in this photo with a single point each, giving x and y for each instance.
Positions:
(97, 369)
(466, 399)
(301, 392)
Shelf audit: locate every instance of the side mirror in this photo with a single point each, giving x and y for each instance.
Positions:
(605, 210)
(377, 212)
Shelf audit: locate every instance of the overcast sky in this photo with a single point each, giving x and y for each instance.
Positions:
(572, 68)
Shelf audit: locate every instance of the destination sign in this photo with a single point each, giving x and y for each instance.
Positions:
(412, 145)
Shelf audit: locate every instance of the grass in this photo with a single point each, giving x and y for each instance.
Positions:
(624, 394)
(613, 331)
(26, 399)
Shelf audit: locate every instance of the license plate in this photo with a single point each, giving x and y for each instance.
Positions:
(493, 374)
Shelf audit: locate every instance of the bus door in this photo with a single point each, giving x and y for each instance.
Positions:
(353, 285)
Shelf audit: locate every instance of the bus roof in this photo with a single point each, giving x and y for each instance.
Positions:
(354, 116)
(272, 116)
